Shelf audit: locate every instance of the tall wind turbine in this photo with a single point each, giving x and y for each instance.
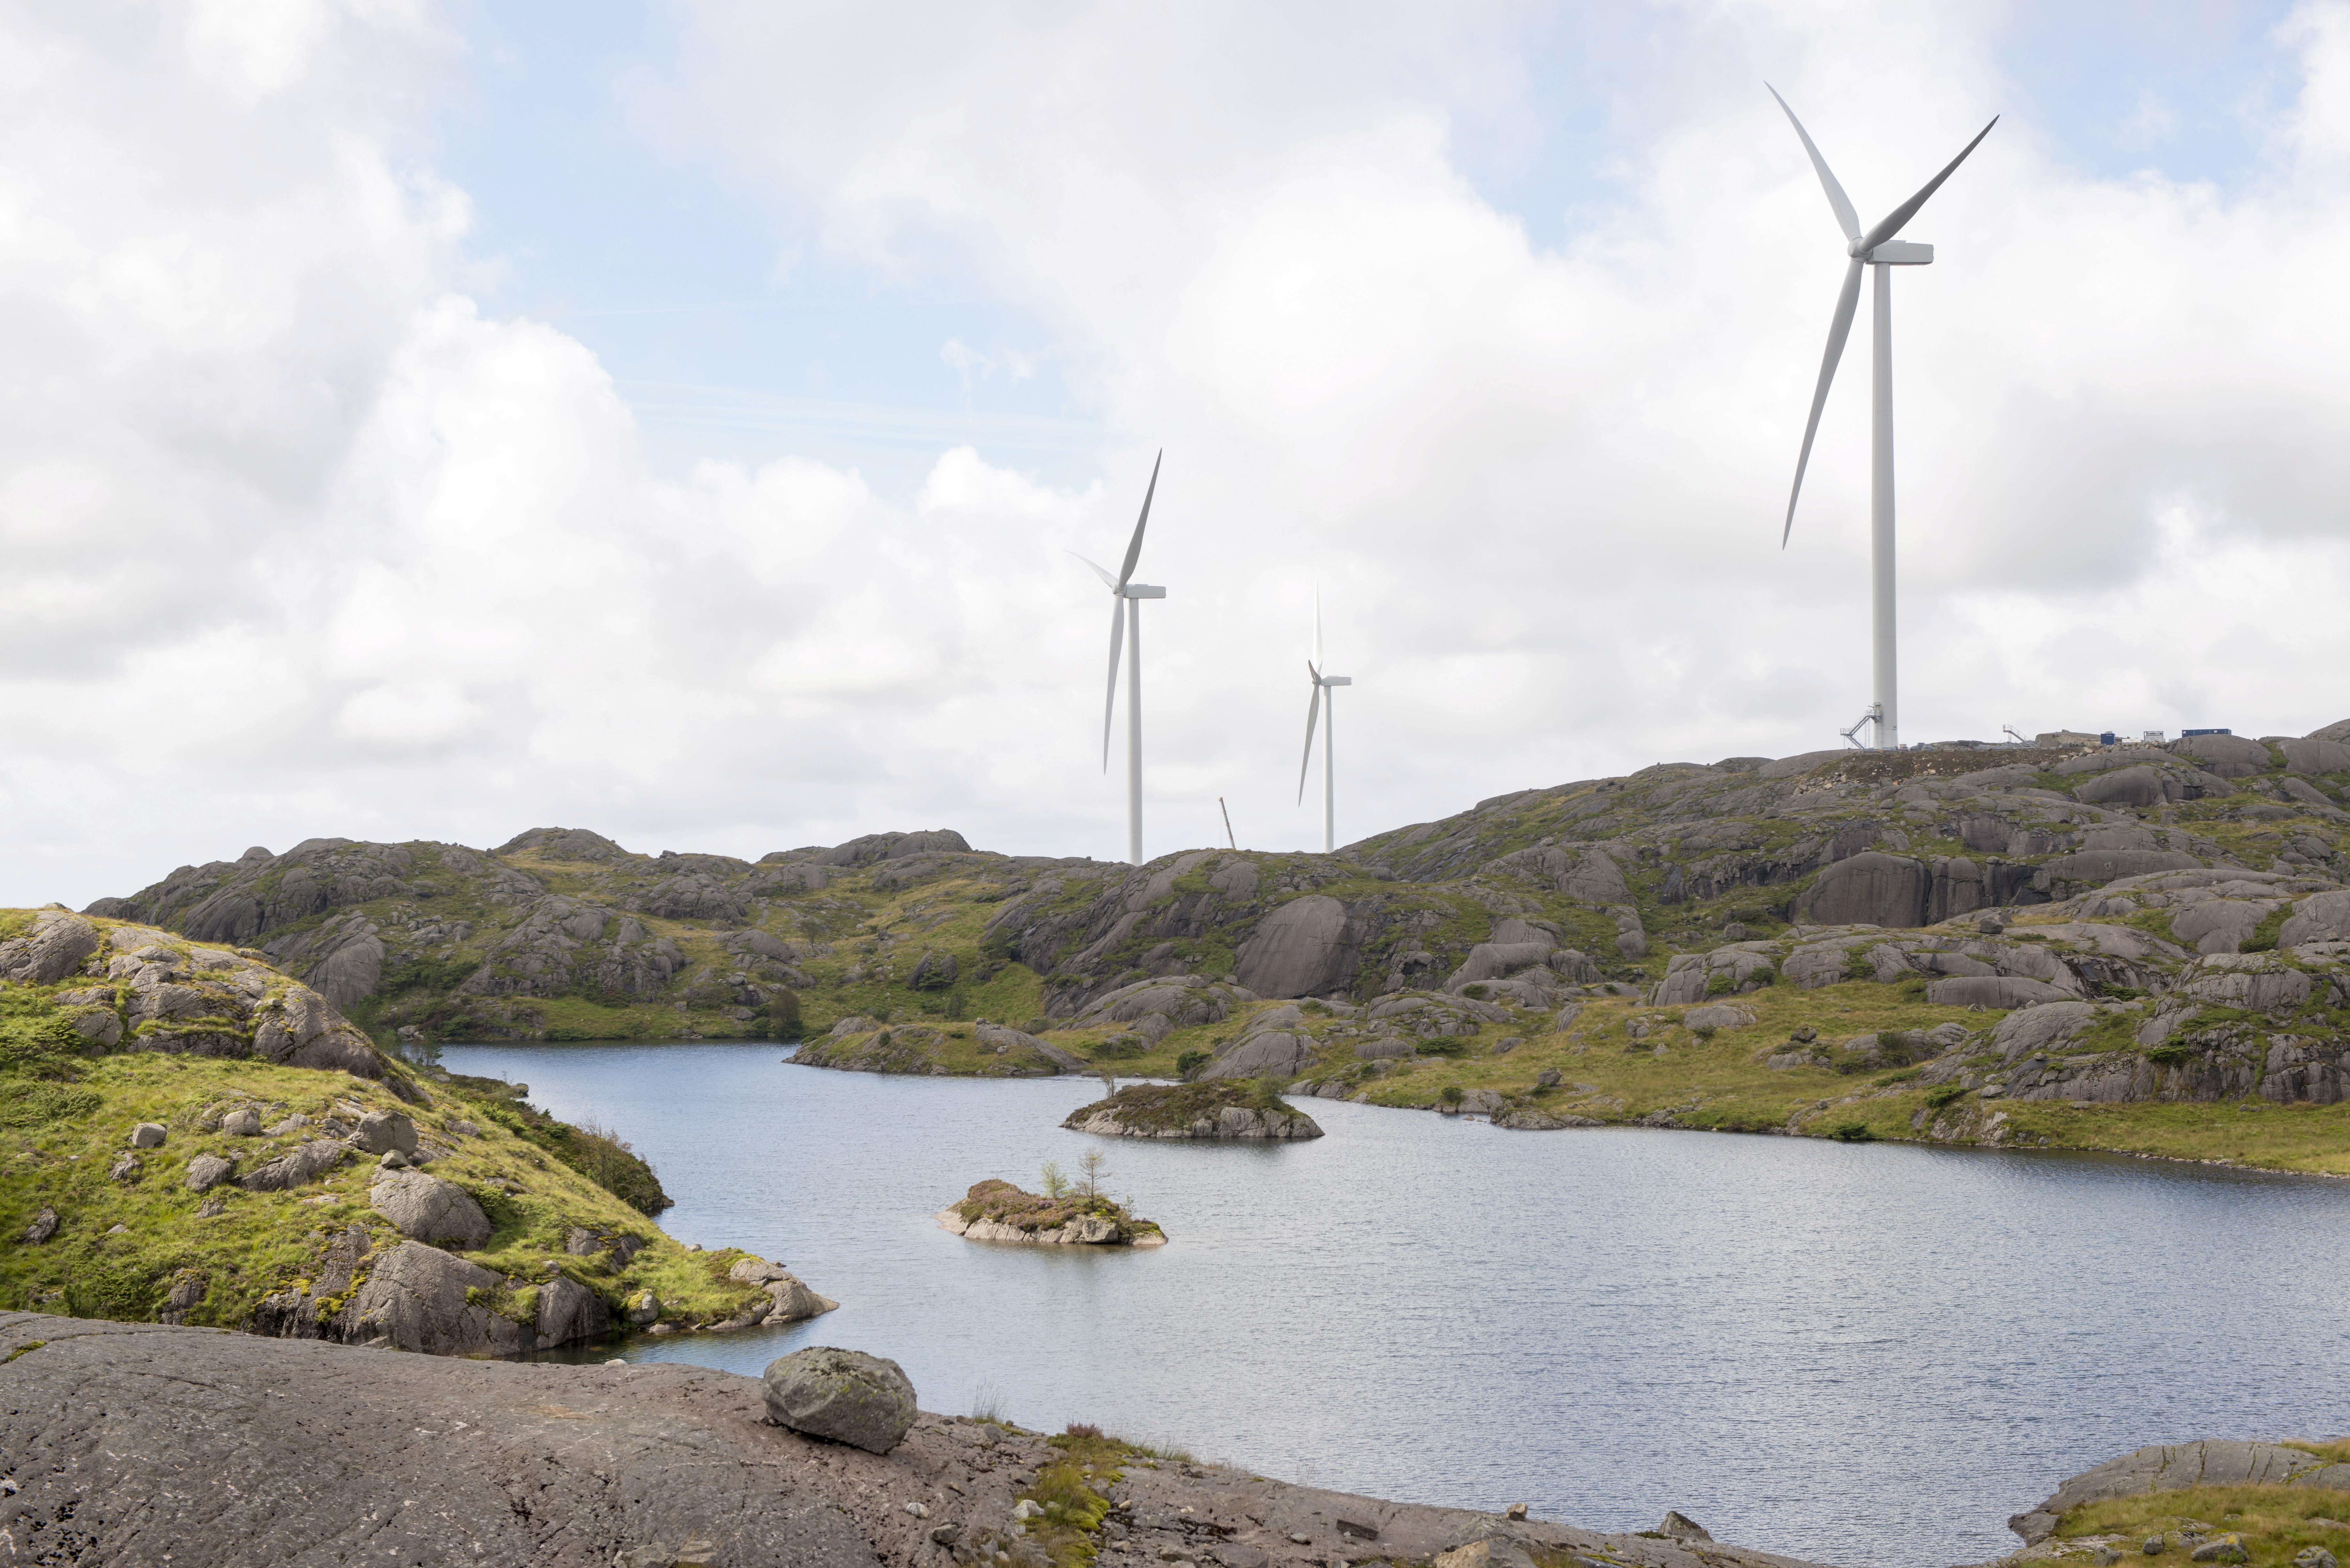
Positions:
(1126, 625)
(1329, 735)
(1879, 249)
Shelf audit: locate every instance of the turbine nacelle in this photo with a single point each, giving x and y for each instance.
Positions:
(1142, 591)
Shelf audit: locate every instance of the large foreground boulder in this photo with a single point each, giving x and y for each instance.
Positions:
(865, 1401)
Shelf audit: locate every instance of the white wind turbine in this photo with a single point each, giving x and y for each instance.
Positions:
(1879, 249)
(1125, 624)
(1329, 735)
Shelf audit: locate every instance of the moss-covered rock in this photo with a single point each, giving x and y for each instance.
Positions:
(254, 1210)
(995, 1210)
(1244, 1111)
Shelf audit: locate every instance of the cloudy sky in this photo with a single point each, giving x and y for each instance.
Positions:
(438, 421)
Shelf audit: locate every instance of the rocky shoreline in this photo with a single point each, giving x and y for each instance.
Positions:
(127, 1442)
(143, 1443)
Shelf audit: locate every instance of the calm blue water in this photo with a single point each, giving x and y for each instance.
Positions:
(1851, 1353)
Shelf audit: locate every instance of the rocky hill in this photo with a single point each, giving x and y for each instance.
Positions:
(194, 1136)
(1801, 944)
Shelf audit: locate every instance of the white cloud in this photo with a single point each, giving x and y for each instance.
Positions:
(301, 543)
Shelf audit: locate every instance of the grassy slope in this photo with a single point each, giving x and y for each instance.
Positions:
(64, 1119)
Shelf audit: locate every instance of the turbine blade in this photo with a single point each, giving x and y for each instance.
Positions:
(1305, 764)
(1890, 225)
(1847, 218)
(1117, 642)
(1134, 546)
(1108, 581)
(1838, 331)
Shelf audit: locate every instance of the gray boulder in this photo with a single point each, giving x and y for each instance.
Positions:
(1681, 1527)
(1304, 948)
(427, 1209)
(415, 1298)
(382, 1132)
(1868, 889)
(57, 947)
(2098, 867)
(2315, 756)
(2307, 794)
(1272, 1055)
(2139, 786)
(207, 1171)
(303, 1165)
(2253, 982)
(147, 1134)
(935, 972)
(44, 1226)
(241, 1122)
(2219, 925)
(569, 1311)
(1719, 1015)
(1491, 961)
(846, 1395)
(1994, 990)
(2320, 917)
(2230, 757)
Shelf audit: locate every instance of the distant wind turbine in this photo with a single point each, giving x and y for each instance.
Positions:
(1879, 249)
(1329, 735)
(1125, 624)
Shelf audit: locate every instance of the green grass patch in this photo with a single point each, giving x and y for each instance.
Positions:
(2274, 1523)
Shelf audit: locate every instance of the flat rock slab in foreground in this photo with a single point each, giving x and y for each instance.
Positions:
(135, 1445)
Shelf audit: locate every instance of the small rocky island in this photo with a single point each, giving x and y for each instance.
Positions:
(996, 1211)
(1222, 1109)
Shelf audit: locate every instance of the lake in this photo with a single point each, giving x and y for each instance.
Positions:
(1842, 1351)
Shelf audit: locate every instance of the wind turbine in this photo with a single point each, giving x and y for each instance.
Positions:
(1329, 734)
(1125, 623)
(1876, 248)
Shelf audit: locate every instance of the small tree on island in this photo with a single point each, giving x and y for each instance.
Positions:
(1094, 1167)
(1056, 1186)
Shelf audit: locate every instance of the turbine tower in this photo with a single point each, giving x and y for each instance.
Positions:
(1329, 735)
(1876, 248)
(1125, 626)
